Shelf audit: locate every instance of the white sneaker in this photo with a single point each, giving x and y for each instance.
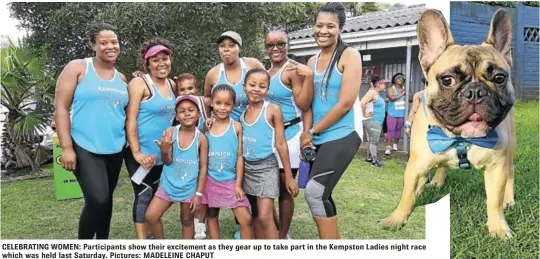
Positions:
(200, 231)
(388, 150)
(395, 147)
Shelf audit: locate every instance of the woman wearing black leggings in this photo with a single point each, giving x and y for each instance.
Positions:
(92, 140)
(336, 130)
(150, 112)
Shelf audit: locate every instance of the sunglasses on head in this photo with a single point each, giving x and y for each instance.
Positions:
(279, 45)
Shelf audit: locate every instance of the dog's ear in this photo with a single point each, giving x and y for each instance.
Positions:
(434, 37)
(500, 34)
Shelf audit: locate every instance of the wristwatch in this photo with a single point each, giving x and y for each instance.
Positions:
(312, 132)
(198, 194)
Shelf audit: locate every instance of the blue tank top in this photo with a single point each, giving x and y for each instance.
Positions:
(222, 154)
(98, 116)
(179, 180)
(241, 101)
(323, 102)
(155, 116)
(202, 113)
(258, 137)
(378, 110)
(396, 108)
(282, 96)
(383, 95)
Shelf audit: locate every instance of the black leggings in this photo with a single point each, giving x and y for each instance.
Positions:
(332, 160)
(384, 124)
(97, 175)
(145, 191)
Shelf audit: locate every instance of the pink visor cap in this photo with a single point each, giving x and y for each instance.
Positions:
(189, 98)
(155, 50)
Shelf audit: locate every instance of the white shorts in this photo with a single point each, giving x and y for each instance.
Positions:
(294, 150)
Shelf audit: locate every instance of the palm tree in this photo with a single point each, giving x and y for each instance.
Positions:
(27, 95)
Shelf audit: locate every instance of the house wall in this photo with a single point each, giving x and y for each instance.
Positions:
(392, 61)
(470, 22)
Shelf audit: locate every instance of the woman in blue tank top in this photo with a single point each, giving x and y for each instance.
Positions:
(292, 90)
(150, 111)
(373, 97)
(184, 151)
(262, 125)
(93, 138)
(396, 112)
(231, 71)
(337, 128)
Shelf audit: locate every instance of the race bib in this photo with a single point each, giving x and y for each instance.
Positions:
(399, 105)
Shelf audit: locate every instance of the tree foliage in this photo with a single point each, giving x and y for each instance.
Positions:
(192, 28)
(510, 3)
(27, 94)
(359, 8)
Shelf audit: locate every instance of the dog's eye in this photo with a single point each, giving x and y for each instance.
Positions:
(448, 81)
(499, 79)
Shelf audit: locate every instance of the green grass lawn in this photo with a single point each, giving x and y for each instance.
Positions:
(363, 196)
(469, 236)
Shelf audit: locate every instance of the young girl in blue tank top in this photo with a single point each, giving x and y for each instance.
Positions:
(225, 166)
(262, 125)
(184, 152)
(187, 84)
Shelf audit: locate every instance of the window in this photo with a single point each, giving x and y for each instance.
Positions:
(530, 34)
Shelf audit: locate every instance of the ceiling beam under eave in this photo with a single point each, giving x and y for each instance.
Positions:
(364, 40)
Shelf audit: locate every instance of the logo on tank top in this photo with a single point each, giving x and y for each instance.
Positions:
(183, 167)
(241, 101)
(167, 112)
(270, 93)
(322, 92)
(111, 96)
(249, 146)
(219, 161)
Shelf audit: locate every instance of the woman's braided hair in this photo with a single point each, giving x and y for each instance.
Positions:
(339, 10)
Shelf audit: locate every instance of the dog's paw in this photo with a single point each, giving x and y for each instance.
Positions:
(509, 204)
(433, 184)
(392, 223)
(501, 231)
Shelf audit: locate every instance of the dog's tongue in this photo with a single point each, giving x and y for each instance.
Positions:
(475, 129)
(475, 117)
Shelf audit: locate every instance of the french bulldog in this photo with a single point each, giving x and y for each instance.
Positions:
(468, 117)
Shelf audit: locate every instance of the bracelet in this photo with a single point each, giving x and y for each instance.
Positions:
(198, 194)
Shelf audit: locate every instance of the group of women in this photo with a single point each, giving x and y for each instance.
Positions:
(102, 120)
(383, 110)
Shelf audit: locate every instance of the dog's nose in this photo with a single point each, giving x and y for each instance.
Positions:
(476, 93)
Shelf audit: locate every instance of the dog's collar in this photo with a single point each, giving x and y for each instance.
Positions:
(438, 142)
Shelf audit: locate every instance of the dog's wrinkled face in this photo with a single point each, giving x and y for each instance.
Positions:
(473, 90)
(470, 89)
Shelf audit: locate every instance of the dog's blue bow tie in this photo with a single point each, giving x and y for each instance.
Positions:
(438, 140)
